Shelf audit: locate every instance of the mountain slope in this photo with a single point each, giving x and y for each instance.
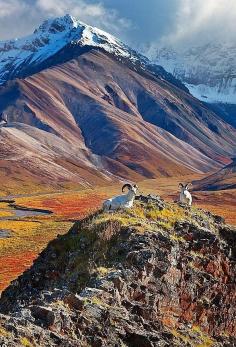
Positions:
(225, 111)
(120, 115)
(223, 179)
(34, 156)
(102, 106)
(208, 71)
(141, 278)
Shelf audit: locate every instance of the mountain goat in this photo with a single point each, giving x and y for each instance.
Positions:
(122, 201)
(185, 196)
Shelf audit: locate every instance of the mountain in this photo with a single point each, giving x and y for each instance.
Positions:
(25, 56)
(158, 275)
(85, 108)
(222, 179)
(208, 71)
(225, 111)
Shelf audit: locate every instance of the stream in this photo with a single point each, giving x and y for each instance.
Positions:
(16, 213)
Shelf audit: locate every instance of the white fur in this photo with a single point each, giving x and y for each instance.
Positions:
(121, 201)
(185, 196)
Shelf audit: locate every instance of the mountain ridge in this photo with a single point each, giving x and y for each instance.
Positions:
(35, 52)
(221, 180)
(60, 99)
(208, 71)
(124, 118)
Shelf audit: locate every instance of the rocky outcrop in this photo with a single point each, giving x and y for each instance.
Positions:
(157, 275)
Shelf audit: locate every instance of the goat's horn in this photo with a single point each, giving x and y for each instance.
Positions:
(127, 185)
(181, 185)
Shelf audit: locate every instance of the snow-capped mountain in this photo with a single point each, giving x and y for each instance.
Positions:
(25, 56)
(84, 108)
(49, 39)
(208, 71)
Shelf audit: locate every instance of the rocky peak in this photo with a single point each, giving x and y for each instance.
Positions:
(66, 37)
(52, 36)
(157, 275)
(66, 22)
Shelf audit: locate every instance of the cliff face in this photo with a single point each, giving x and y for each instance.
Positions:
(157, 275)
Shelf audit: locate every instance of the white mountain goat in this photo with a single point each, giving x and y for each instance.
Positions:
(122, 201)
(185, 196)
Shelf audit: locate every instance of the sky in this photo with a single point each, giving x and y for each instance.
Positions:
(177, 23)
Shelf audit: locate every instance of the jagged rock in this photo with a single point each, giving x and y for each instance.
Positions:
(44, 314)
(74, 301)
(154, 199)
(134, 284)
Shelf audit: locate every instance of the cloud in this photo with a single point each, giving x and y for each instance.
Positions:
(139, 23)
(9, 8)
(20, 17)
(92, 13)
(201, 21)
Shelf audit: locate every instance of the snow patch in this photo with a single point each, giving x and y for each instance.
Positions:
(51, 36)
(208, 71)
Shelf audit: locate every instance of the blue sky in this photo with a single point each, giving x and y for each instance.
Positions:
(157, 22)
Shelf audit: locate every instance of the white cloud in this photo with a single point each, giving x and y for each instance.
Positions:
(77, 8)
(161, 22)
(94, 14)
(11, 7)
(19, 17)
(200, 21)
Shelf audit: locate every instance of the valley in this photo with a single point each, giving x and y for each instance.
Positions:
(28, 235)
(93, 111)
(81, 114)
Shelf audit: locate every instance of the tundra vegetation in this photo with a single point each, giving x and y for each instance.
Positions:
(30, 235)
(158, 272)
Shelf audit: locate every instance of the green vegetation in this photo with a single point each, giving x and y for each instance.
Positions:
(3, 332)
(25, 342)
(97, 235)
(193, 337)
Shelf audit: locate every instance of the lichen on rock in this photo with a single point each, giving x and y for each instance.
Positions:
(156, 275)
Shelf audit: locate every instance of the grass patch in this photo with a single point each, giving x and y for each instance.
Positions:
(182, 337)
(178, 238)
(196, 335)
(25, 342)
(102, 271)
(5, 210)
(206, 340)
(4, 332)
(4, 214)
(197, 254)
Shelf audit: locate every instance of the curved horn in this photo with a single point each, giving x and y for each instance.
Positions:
(188, 185)
(127, 185)
(181, 185)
